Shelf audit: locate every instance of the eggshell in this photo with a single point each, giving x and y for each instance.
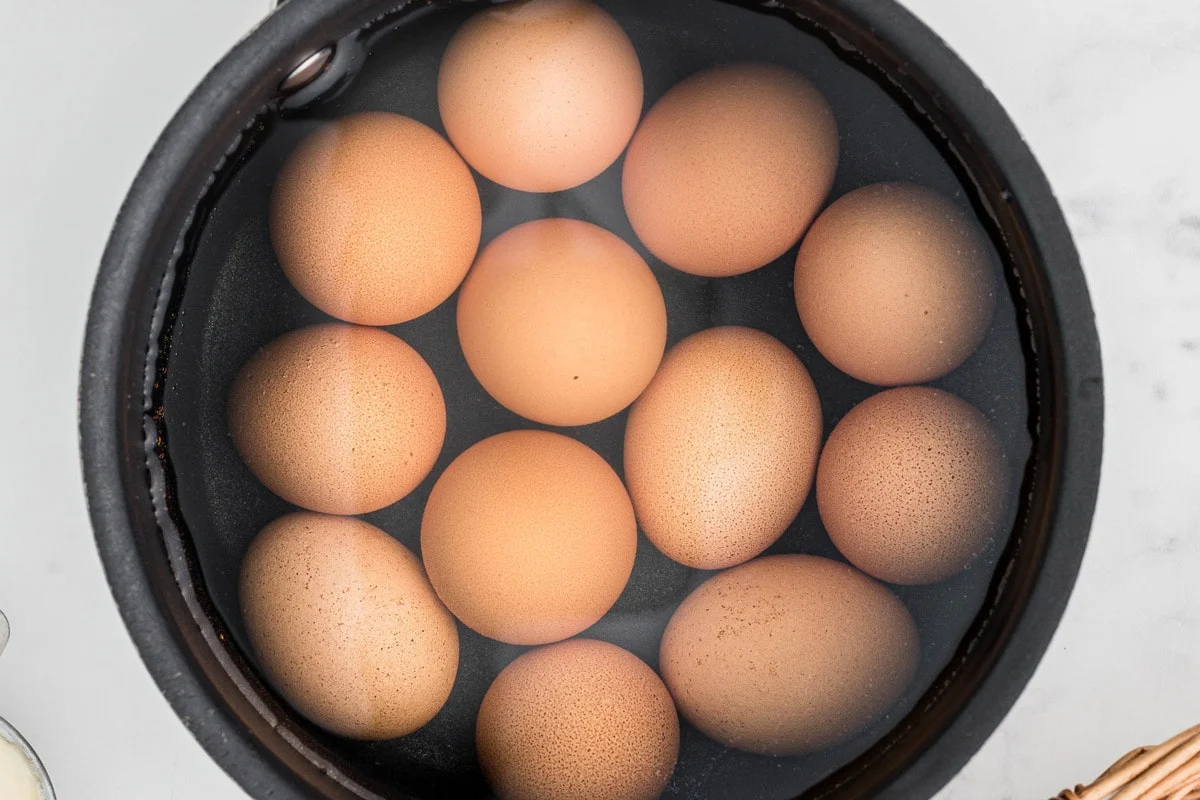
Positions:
(894, 285)
(580, 719)
(788, 654)
(912, 485)
(528, 537)
(346, 625)
(375, 219)
(721, 448)
(338, 418)
(562, 322)
(729, 168)
(542, 95)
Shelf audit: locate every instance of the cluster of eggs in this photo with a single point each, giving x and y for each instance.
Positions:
(529, 536)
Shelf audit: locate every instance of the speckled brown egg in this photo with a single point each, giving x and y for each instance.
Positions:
(347, 626)
(894, 284)
(540, 95)
(528, 537)
(562, 322)
(338, 418)
(729, 168)
(912, 485)
(375, 219)
(577, 720)
(788, 654)
(721, 448)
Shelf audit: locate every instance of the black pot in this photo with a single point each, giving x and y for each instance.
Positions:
(157, 581)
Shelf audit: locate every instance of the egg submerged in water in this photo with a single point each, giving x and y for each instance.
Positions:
(375, 219)
(577, 720)
(728, 168)
(912, 485)
(540, 95)
(894, 284)
(721, 448)
(347, 626)
(338, 418)
(562, 322)
(529, 537)
(788, 654)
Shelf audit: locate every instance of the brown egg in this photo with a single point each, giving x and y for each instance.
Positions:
(346, 625)
(788, 654)
(720, 449)
(912, 485)
(894, 285)
(562, 322)
(528, 537)
(375, 219)
(541, 95)
(577, 720)
(338, 418)
(729, 168)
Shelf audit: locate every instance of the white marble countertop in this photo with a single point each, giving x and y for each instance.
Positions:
(1104, 90)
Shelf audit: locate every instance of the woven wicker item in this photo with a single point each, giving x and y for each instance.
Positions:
(1170, 771)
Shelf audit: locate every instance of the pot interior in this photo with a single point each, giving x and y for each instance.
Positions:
(229, 298)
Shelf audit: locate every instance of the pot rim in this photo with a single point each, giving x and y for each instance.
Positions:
(219, 110)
